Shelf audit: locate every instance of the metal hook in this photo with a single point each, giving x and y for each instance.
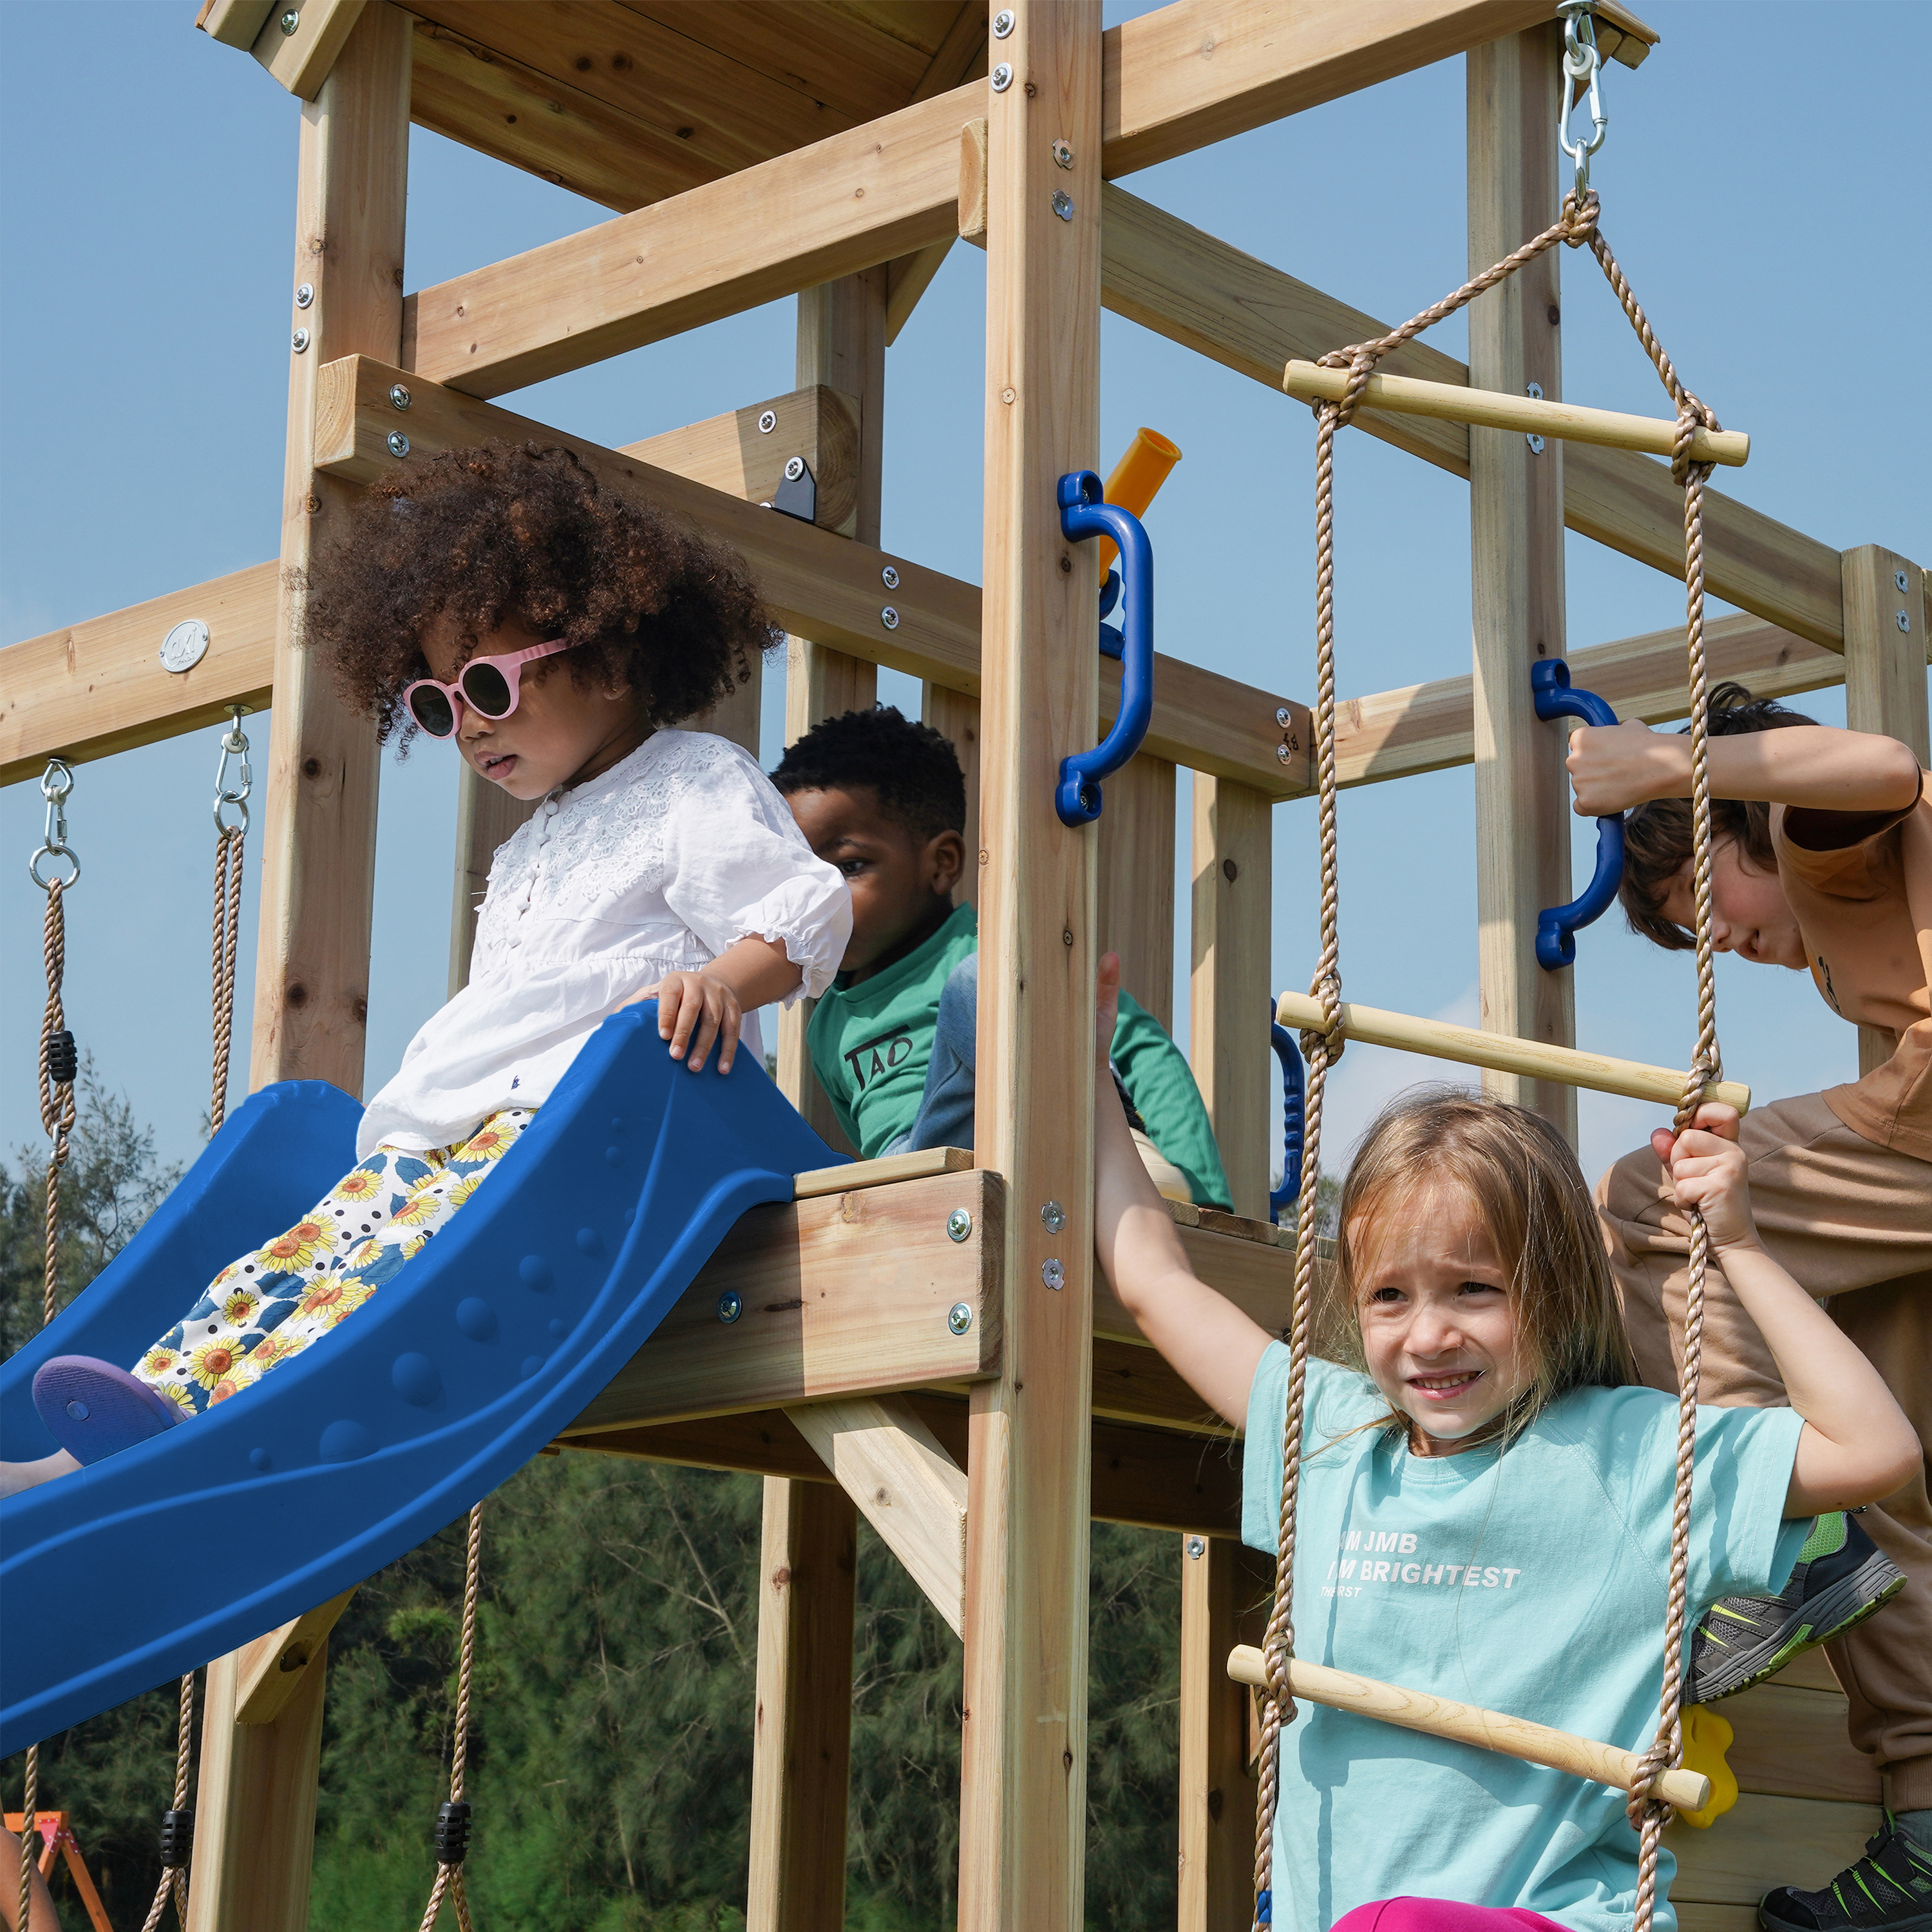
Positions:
(1582, 66)
(234, 744)
(56, 782)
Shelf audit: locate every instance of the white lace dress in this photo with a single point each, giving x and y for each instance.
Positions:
(656, 866)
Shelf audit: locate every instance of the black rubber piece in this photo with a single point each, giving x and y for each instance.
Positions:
(452, 1833)
(63, 1060)
(177, 1838)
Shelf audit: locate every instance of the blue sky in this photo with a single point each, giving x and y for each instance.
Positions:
(1762, 185)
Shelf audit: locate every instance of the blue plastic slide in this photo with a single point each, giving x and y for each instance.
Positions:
(145, 1564)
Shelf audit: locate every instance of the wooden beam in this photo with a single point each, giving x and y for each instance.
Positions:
(1134, 868)
(1727, 1864)
(269, 1670)
(904, 1485)
(1516, 547)
(235, 23)
(889, 1168)
(1184, 284)
(1023, 1759)
(1392, 734)
(301, 59)
(1257, 1275)
(99, 687)
(842, 1294)
(1229, 988)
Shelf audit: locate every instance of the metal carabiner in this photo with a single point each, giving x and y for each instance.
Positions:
(1582, 65)
(234, 744)
(56, 782)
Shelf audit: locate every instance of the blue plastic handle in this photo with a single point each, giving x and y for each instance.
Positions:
(1082, 514)
(1556, 929)
(1294, 1116)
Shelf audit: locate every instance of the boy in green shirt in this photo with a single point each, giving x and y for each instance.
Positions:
(893, 1042)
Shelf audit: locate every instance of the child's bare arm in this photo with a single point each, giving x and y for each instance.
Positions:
(1856, 1445)
(1213, 1345)
(750, 972)
(1614, 766)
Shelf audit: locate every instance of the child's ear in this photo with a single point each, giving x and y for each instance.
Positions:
(945, 862)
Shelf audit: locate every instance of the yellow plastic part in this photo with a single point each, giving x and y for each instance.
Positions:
(1136, 478)
(1706, 1738)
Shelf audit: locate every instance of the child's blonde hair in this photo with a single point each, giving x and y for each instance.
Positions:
(1530, 1193)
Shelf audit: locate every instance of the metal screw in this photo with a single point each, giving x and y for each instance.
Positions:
(1535, 445)
(768, 420)
(958, 1224)
(1535, 390)
(1283, 716)
(1899, 577)
(299, 341)
(1053, 1217)
(1063, 153)
(291, 20)
(1197, 1547)
(1002, 78)
(729, 1306)
(889, 618)
(1003, 23)
(794, 468)
(399, 397)
(1283, 753)
(1905, 623)
(889, 577)
(1062, 204)
(304, 295)
(1054, 1275)
(399, 444)
(959, 1318)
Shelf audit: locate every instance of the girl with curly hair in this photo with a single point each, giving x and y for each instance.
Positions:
(556, 634)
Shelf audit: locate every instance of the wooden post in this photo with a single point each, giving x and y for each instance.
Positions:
(1516, 541)
(1231, 998)
(1135, 889)
(1024, 1755)
(801, 1747)
(1224, 1601)
(956, 717)
(255, 1811)
(1885, 679)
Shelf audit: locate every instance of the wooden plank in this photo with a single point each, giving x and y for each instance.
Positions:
(1170, 278)
(1762, 1841)
(1515, 546)
(1198, 71)
(1134, 867)
(844, 1295)
(1023, 1759)
(956, 717)
(1793, 1743)
(1229, 991)
(1133, 1384)
(235, 23)
(1258, 1277)
(1694, 1918)
(270, 1669)
(300, 60)
(1885, 680)
(1811, 1671)
(888, 1168)
(802, 1729)
(98, 687)
(1424, 727)
(904, 1485)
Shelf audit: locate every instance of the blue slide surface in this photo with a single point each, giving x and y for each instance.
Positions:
(147, 1563)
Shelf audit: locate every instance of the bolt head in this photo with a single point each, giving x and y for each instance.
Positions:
(1003, 23)
(768, 420)
(889, 577)
(1053, 1217)
(1283, 753)
(1062, 204)
(959, 1318)
(399, 397)
(794, 468)
(958, 1224)
(1535, 446)
(1899, 577)
(1283, 716)
(1197, 1547)
(299, 341)
(304, 295)
(1534, 391)
(290, 21)
(1002, 78)
(889, 618)
(399, 444)
(1054, 1275)
(729, 1306)
(1063, 153)
(1904, 621)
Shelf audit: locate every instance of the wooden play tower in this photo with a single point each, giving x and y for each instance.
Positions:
(922, 1338)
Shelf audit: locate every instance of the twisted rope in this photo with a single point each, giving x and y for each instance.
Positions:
(228, 846)
(449, 1871)
(174, 1877)
(1576, 227)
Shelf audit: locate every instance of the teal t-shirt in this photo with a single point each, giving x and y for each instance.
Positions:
(872, 1043)
(1531, 1583)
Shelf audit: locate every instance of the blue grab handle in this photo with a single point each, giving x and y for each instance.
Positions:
(1557, 927)
(1083, 514)
(1294, 1116)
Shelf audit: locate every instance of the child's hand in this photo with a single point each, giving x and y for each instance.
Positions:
(1106, 1007)
(1708, 1172)
(1615, 766)
(686, 1000)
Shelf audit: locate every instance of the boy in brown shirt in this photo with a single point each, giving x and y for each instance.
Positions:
(1822, 860)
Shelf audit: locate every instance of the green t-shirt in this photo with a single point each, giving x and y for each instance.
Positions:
(870, 1045)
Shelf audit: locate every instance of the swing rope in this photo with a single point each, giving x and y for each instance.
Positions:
(452, 1821)
(1575, 227)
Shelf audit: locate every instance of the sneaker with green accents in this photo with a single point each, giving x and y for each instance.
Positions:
(1889, 1890)
(1841, 1576)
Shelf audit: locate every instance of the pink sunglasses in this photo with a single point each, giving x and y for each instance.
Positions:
(492, 685)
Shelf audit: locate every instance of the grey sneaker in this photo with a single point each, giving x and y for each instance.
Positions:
(1841, 1576)
(1889, 1890)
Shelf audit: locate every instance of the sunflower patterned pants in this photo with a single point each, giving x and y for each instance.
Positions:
(272, 1303)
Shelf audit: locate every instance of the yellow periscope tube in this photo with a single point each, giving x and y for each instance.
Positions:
(1136, 478)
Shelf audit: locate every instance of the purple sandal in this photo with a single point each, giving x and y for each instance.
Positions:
(94, 1410)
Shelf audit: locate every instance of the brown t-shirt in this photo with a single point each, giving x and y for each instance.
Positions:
(1861, 884)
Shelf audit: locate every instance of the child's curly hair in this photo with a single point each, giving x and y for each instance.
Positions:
(506, 531)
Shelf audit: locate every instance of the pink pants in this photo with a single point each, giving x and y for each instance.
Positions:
(1441, 1915)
